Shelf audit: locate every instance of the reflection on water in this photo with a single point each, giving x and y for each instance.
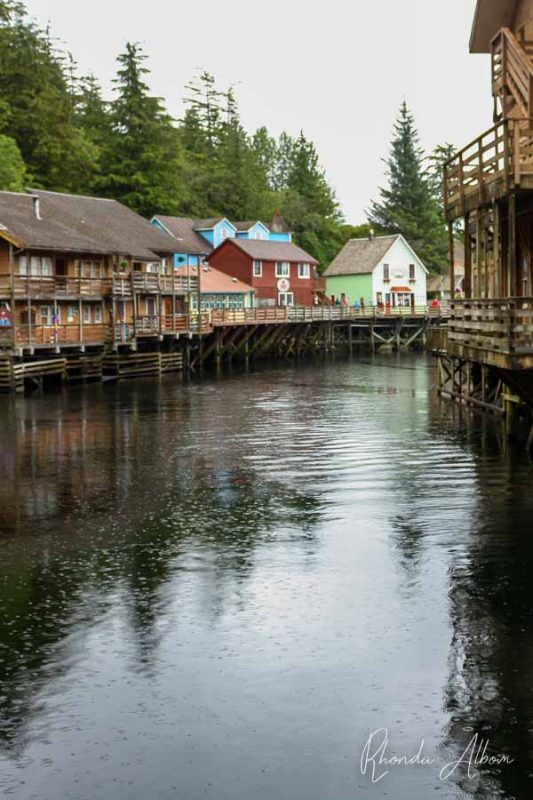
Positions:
(220, 589)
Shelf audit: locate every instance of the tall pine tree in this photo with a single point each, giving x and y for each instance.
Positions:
(141, 163)
(408, 204)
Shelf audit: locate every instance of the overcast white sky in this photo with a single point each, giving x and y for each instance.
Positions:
(338, 70)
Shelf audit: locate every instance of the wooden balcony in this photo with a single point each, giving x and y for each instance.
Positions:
(494, 332)
(51, 336)
(487, 169)
(50, 288)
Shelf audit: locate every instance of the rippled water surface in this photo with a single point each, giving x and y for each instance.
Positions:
(220, 590)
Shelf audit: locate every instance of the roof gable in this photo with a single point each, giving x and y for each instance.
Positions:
(362, 256)
(183, 229)
(212, 223)
(265, 250)
(249, 226)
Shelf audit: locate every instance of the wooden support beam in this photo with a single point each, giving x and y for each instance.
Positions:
(511, 241)
(468, 257)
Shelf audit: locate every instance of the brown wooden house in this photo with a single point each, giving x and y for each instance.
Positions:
(83, 271)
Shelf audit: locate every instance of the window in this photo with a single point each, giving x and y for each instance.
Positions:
(151, 310)
(386, 272)
(152, 268)
(304, 270)
(258, 269)
(283, 269)
(224, 233)
(86, 312)
(90, 269)
(39, 266)
(286, 299)
(98, 316)
(412, 272)
(27, 317)
(72, 313)
(46, 315)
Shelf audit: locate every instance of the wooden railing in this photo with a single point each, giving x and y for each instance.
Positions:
(252, 316)
(50, 287)
(61, 334)
(503, 326)
(489, 166)
(512, 74)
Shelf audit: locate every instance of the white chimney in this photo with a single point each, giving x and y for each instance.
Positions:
(36, 206)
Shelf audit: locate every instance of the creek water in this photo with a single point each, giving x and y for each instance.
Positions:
(225, 589)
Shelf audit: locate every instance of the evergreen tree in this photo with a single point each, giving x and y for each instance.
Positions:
(141, 163)
(408, 205)
(12, 166)
(34, 86)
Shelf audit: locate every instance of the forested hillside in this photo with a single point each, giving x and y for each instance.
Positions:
(57, 131)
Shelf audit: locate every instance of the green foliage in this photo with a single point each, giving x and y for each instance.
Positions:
(140, 154)
(58, 132)
(409, 204)
(12, 167)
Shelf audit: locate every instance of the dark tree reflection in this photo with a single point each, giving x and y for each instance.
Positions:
(114, 502)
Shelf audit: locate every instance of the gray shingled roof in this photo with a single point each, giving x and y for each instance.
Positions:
(207, 224)
(264, 250)
(360, 256)
(183, 228)
(245, 226)
(78, 224)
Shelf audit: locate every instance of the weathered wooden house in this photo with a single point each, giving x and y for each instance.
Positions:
(382, 271)
(489, 186)
(281, 273)
(83, 272)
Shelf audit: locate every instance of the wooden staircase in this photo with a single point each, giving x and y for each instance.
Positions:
(512, 76)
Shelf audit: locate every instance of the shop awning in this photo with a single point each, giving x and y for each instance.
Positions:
(401, 289)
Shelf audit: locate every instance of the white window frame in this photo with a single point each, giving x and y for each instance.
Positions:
(259, 265)
(86, 314)
(23, 266)
(284, 301)
(304, 270)
(72, 313)
(47, 267)
(280, 269)
(98, 315)
(46, 313)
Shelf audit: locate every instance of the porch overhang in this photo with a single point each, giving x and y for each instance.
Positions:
(489, 17)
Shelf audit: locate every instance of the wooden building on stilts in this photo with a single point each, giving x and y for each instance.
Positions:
(487, 357)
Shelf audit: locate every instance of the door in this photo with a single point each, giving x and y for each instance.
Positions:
(61, 274)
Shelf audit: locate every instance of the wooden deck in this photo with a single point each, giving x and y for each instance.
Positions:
(493, 332)
(488, 168)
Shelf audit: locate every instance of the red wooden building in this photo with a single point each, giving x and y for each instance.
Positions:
(281, 273)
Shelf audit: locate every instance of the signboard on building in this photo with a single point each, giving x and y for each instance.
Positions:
(284, 285)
